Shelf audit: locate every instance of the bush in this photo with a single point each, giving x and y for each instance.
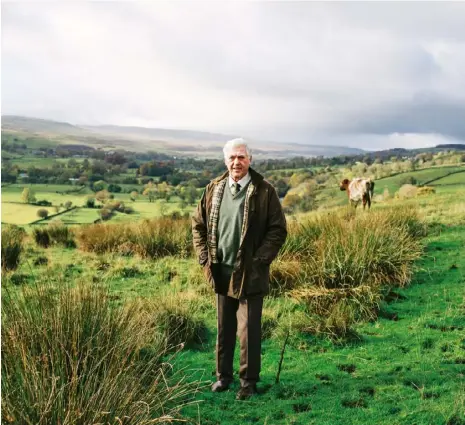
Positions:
(90, 202)
(61, 234)
(69, 356)
(42, 213)
(128, 210)
(55, 233)
(408, 180)
(12, 246)
(42, 237)
(68, 204)
(425, 191)
(44, 203)
(105, 214)
(114, 188)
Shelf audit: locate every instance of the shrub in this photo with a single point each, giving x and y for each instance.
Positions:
(114, 188)
(105, 213)
(408, 180)
(12, 246)
(134, 195)
(426, 190)
(42, 213)
(128, 210)
(42, 237)
(90, 202)
(102, 196)
(44, 203)
(55, 233)
(68, 204)
(69, 356)
(61, 234)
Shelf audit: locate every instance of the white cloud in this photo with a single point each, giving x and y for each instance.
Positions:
(304, 72)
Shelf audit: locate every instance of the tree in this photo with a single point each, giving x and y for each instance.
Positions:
(28, 196)
(90, 202)
(105, 214)
(42, 213)
(150, 191)
(102, 196)
(99, 186)
(114, 188)
(134, 195)
(163, 208)
(68, 205)
(290, 202)
(72, 163)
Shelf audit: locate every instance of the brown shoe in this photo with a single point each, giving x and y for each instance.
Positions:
(246, 392)
(220, 386)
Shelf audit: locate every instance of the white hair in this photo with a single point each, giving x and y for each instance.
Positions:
(234, 143)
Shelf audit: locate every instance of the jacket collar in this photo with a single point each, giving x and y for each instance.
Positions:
(255, 177)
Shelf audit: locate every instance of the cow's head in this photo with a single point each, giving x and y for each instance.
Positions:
(344, 184)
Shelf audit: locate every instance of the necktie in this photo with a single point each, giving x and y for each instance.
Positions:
(235, 188)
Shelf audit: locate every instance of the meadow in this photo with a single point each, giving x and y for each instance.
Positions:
(114, 323)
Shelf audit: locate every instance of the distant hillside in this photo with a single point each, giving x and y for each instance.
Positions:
(176, 142)
(37, 125)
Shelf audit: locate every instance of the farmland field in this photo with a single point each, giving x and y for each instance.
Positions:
(20, 213)
(453, 179)
(421, 176)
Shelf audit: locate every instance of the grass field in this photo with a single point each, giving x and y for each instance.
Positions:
(21, 213)
(406, 367)
(78, 216)
(15, 212)
(422, 176)
(453, 179)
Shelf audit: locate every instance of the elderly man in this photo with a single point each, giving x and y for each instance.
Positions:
(238, 229)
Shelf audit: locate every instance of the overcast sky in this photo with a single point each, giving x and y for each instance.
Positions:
(369, 75)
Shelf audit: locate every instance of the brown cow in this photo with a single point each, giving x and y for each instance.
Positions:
(359, 189)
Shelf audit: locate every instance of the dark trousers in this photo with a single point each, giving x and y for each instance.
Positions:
(244, 318)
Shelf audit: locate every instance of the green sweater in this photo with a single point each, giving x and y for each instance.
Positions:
(230, 226)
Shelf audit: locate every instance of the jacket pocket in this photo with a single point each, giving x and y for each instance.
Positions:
(259, 278)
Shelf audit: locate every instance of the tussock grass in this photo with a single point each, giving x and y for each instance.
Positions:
(177, 316)
(12, 246)
(148, 238)
(42, 237)
(349, 259)
(55, 233)
(69, 357)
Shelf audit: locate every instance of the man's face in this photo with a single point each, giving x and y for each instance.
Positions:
(238, 162)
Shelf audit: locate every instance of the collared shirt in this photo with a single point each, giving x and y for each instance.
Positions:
(242, 182)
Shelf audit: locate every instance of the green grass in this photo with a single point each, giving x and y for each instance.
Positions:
(15, 212)
(78, 216)
(453, 179)
(407, 367)
(403, 371)
(422, 176)
(21, 213)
